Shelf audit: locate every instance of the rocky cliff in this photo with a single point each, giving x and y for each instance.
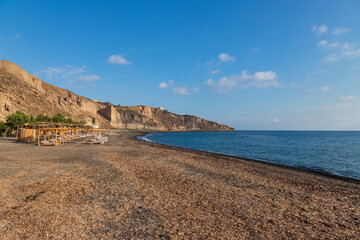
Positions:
(20, 90)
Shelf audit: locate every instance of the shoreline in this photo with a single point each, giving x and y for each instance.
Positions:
(132, 189)
(283, 166)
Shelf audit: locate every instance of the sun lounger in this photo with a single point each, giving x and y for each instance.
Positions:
(105, 139)
(95, 142)
(45, 142)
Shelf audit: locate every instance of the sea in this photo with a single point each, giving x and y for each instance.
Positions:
(334, 152)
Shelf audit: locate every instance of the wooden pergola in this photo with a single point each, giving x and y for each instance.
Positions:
(56, 136)
(53, 134)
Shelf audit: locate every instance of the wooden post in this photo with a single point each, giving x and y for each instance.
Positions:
(39, 136)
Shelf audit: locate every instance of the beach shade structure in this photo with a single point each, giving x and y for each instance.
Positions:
(49, 137)
(53, 134)
(26, 135)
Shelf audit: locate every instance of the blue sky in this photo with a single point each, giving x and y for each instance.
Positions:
(248, 64)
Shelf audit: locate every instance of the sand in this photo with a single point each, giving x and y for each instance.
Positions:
(128, 189)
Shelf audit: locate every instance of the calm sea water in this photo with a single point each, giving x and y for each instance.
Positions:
(333, 152)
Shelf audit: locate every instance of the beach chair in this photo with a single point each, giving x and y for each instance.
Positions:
(105, 139)
(96, 141)
(47, 143)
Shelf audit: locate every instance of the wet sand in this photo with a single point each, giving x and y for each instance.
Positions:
(128, 189)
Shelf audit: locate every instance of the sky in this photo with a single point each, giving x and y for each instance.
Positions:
(253, 65)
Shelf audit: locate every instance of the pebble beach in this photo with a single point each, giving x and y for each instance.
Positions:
(130, 189)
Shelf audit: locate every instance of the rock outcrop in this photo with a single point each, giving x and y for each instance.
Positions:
(20, 90)
(19, 73)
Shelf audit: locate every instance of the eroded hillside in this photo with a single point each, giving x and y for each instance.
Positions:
(20, 90)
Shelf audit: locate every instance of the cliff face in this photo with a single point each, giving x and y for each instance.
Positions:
(149, 118)
(20, 90)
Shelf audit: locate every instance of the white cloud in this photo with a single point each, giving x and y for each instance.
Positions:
(322, 43)
(347, 46)
(118, 59)
(347, 97)
(166, 84)
(341, 30)
(352, 53)
(338, 50)
(319, 29)
(209, 63)
(325, 44)
(264, 76)
(69, 74)
(89, 78)
(243, 81)
(195, 89)
(331, 58)
(334, 106)
(276, 120)
(180, 91)
(325, 88)
(223, 83)
(163, 85)
(216, 71)
(224, 57)
(50, 72)
(333, 45)
(61, 72)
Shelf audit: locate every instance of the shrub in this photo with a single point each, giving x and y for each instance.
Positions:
(3, 127)
(32, 119)
(42, 118)
(58, 118)
(17, 119)
(69, 120)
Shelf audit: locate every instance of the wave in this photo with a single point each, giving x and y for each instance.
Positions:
(144, 138)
